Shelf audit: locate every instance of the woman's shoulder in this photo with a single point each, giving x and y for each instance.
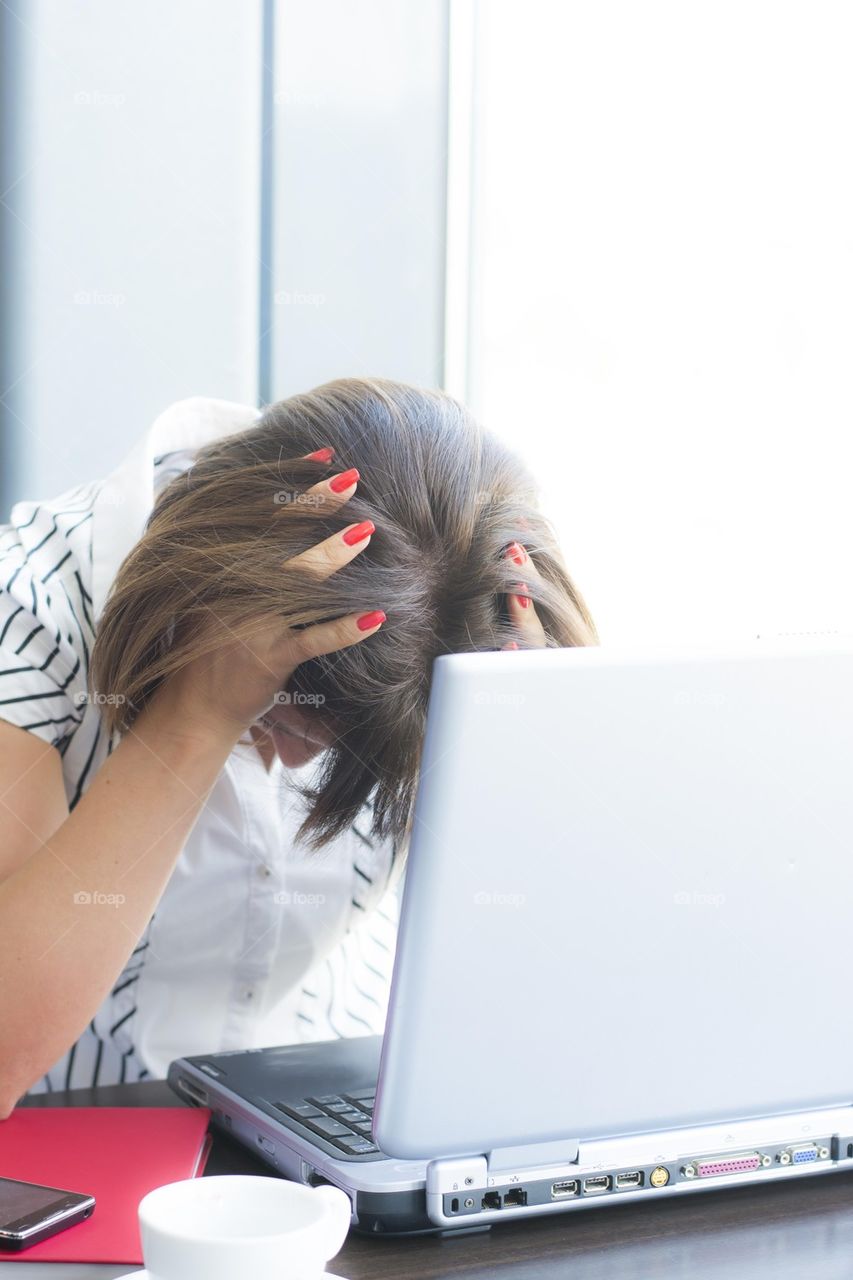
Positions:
(46, 621)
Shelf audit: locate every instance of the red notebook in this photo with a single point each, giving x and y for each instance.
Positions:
(116, 1154)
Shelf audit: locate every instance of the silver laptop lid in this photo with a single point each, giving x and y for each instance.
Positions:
(629, 898)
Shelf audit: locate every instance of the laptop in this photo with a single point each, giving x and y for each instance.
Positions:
(623, 952)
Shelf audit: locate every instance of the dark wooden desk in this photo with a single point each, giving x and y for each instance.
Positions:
(799, 1231)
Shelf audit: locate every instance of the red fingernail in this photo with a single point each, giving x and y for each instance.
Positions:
(515, 551)
(370, 620)
(524, 601)
(344, 480)
(322, 455)
(359, 532)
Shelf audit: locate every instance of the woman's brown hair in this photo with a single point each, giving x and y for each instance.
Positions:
(446, 498)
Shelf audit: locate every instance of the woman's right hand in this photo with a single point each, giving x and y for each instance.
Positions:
(225, 691)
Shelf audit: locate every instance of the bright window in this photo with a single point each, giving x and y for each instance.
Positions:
(661, 232)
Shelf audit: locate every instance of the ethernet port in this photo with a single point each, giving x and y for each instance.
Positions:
(517, 1196)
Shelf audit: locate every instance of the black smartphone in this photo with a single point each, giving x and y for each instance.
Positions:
(30, 1213)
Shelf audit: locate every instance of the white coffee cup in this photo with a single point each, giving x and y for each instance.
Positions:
(231, 1226)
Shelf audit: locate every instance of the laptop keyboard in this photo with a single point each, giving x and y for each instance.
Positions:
(345, 1120)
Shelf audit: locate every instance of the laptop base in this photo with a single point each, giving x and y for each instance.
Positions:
(248, 1092)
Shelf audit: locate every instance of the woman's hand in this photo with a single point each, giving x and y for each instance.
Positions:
(522, 611)
(224, 692)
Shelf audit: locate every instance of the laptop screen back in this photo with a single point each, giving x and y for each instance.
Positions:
(629, 898)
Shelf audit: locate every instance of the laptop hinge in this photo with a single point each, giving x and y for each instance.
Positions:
(537, 1156)
(453, 1174)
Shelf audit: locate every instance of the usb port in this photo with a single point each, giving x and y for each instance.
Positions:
(594, 1186)
(191, 1090)
(562, 1190)
(624, 1181)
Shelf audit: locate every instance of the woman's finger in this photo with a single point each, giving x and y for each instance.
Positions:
(330, 493)
(516, 552)
(521, 609)
(326, 557)
(338, 488)
(342, 633)
(523, 616)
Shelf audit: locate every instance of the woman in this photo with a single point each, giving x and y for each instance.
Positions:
(214, 672)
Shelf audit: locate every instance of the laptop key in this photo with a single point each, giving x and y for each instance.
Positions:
(298, 1110)
(357, 1146)
(329, 1127)
(327, 1100)
(368, 1095)
(362, 1126)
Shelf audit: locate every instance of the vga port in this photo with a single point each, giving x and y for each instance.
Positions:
(718, 1166)
(804, 1153)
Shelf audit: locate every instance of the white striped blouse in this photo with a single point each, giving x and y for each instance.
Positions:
(254, 941)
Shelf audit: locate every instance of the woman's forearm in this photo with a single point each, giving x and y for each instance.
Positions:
(72, 914)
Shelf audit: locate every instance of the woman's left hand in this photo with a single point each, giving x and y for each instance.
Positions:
(522, 611)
